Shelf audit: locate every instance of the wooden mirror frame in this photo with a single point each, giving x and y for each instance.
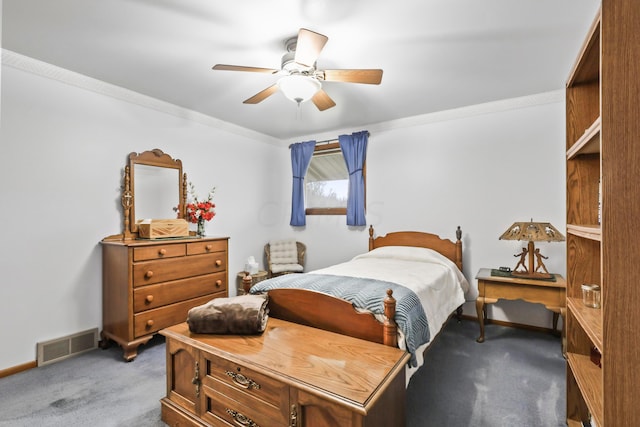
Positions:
(156, 158)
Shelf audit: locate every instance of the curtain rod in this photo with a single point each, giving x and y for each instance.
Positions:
(327, 141)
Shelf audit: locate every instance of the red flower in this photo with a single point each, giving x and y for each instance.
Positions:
(200, 209)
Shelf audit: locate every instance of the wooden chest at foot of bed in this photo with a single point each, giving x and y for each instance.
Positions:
(290, 375)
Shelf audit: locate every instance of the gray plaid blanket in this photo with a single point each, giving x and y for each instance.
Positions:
(367, 294)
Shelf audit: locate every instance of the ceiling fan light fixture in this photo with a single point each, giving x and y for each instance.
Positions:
(299, 88)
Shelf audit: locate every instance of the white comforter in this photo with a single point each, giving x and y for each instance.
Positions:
(437, 281)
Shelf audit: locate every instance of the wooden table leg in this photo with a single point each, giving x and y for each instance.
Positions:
(480, 310)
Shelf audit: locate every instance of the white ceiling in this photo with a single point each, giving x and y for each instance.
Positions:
(436, 54)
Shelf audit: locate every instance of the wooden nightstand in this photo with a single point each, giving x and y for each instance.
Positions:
(552, 294)
(257, 277)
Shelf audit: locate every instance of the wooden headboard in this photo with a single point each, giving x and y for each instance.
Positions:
(452, 250)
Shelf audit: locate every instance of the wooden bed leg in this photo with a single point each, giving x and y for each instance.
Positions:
(459, 313)
(390, 327)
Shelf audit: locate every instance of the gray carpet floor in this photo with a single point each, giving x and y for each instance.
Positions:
(515, 378)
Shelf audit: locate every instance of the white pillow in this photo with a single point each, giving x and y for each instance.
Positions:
(407, 253)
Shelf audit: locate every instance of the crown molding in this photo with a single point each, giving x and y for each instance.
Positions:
(43, 69)
(551, 97)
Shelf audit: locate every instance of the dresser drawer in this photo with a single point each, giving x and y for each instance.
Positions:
(153, 296)
(237, 409)
(149, 272)
(223, 375)
(153, 320)
(145, 253)
(206, 247)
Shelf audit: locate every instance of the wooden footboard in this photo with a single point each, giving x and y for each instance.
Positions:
(333, 314)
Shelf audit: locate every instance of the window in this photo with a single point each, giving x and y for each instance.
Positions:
(327, 182)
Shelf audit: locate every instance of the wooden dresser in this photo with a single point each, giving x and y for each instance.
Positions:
(148, 285)
(292, 375)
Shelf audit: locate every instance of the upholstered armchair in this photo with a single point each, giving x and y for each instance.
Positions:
(284, 257)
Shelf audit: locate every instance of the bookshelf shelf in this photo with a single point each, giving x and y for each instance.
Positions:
(589, 319)
(588, 143)
(589, 379)
(591, 232)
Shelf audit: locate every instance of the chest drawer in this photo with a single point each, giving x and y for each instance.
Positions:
(158, 252)
(149, 272)
(151, 321)
(237, 410)
(157, 295)
(246, 384)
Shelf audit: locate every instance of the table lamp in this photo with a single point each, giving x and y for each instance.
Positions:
(532, 232)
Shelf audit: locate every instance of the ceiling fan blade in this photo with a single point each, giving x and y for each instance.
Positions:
(322, 100)
(372, 77)
(309, 46)
(225, 67)
(262, 95)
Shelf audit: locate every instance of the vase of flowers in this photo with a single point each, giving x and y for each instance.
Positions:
(200, 231)
(199, 211)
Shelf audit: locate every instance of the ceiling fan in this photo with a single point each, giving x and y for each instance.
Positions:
(301, 80)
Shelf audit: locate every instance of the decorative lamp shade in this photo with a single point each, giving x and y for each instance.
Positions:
(299, 88)
(533, 232)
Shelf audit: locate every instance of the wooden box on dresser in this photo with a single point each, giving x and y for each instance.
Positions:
(292, 375)
(148, 285)
(603, 207)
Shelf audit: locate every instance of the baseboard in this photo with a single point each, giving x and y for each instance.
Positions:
(511, 324)
(18, 369)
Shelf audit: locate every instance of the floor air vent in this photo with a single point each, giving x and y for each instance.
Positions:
(62, 348)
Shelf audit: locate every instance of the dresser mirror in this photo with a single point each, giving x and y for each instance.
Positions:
(156, 192)
(154, 186)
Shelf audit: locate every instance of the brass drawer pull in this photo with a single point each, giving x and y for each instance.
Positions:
(196, 379)
(293, 416)
(243, 381)
(241, 419)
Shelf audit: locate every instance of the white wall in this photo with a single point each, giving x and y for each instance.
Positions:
(64, 147)
(482, 168)
(63, 152)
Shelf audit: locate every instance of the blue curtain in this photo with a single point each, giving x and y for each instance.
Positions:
(354, 150)
(300, 158)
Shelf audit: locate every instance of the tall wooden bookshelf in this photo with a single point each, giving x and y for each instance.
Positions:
(603, 220)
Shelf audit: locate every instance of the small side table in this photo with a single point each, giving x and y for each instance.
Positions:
(257, 277)
(552, 294)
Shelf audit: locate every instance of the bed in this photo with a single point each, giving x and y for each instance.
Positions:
(399, 268)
